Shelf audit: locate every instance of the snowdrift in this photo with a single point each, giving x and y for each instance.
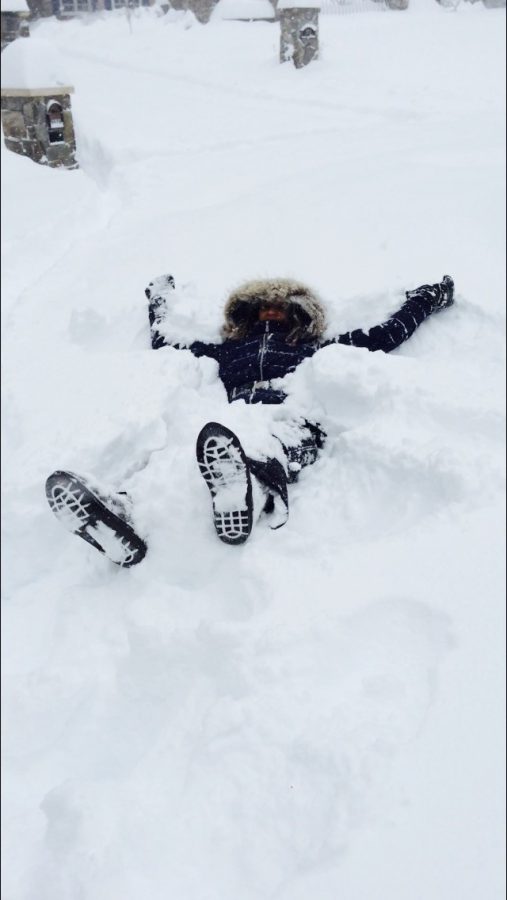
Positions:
(316, 713)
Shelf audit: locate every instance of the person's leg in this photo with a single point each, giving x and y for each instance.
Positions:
(100, 516)
(301, 441)
(301, 446)
(271, 477)
(242, 487)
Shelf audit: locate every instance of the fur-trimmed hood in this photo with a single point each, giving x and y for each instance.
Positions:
(307, 317)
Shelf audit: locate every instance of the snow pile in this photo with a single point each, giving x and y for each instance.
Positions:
(299, 4)
(243, 9)
(32, 64)
(14, 6)
(317, 712)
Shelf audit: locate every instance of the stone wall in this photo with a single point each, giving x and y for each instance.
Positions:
(27, 132)
(299, 35)
(13, 25)
(201, 9)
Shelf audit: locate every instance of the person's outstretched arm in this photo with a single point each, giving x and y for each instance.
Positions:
(158, 293)
(419, 304)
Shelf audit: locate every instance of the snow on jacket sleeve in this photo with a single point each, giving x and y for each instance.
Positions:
(157, 293)
(397, 329)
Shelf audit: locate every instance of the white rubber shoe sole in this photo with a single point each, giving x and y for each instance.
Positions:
(224, 467)
(83, 511)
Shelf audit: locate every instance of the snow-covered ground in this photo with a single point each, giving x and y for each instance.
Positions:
(317, 714)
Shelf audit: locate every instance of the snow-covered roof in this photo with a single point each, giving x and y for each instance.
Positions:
(299, 4)
(243, 9)
(32, 63)
(14, 6)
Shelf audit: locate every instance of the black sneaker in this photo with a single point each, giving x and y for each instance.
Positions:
(224, 467)
(100, 519)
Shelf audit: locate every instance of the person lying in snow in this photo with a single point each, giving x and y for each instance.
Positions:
(270, 327)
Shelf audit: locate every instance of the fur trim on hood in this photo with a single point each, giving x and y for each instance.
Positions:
(307, 317)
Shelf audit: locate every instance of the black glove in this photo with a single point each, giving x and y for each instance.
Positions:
(446, 294)
(159, 287)
(158, 292)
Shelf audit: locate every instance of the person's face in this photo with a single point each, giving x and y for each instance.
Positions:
(272, 314)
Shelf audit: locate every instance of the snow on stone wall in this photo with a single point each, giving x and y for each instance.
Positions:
(239, 10)
(243, 9)
(299, 4)
(32, 64)
(14, 6)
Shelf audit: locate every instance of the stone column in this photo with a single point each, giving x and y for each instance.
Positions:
(38, 123)
(201, 9)
(299, 33)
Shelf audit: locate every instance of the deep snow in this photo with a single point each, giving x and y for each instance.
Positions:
(320, 712)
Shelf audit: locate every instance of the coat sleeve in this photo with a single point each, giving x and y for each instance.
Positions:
(398, 328)
(158, 293)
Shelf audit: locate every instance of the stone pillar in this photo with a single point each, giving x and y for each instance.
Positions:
(14, 25)
(38, 123)
(299, 34)
(201, 9)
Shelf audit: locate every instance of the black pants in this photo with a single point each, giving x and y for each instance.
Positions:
(305, 452)
(300, 453)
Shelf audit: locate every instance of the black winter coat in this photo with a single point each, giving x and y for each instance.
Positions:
(248, 365)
